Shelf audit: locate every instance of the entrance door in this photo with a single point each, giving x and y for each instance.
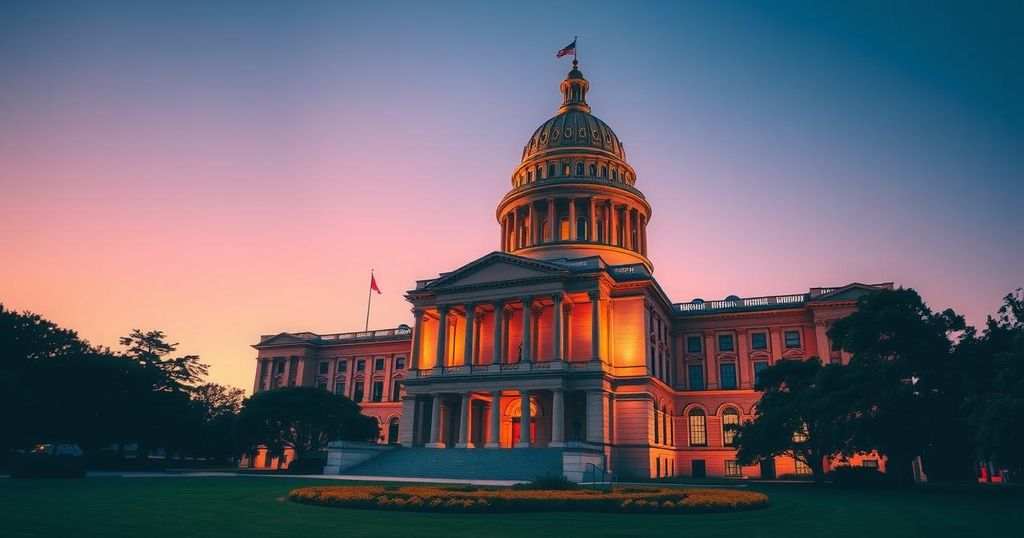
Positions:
(768, 469)
(393, 432)
(698, 468)
(516, 429)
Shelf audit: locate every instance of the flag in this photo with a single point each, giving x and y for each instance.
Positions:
(373, 284)
(568, 49)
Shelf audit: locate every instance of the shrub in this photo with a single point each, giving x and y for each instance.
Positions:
(307, 466)
(848, 476)
(797, 477)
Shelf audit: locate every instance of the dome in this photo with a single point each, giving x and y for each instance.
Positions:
(573, 130)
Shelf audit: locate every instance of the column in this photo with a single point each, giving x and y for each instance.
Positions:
(504, 234)
(527, 226)
(467, 401)
(515, 231)
(536, 223)
(524, 420)
(709, 360)
(572, 218)
(407, 424)
(593, 220)
(556, 327)
(776, 345)
(641, 233)
(820, 330)
(615, 226)
(743, 365)
(414, 361)
(499, 321)
(495, 438)
(435, 423)
(608, 222)
(467, 358)
(442, 335)
(527, 325)
(552, 220)
(627, 229)
(595, 324)
(557, 418)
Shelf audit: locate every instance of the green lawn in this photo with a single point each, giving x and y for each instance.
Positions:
(253, 506)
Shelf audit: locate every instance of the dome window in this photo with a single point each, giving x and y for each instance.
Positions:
(615, 175)
(551, 170)
(579, 169)
(543, 137)
(593, 170)
(554, 134)
(583, 132)
(566, 170)
(568, 132)
(529, 175)
(604, 172)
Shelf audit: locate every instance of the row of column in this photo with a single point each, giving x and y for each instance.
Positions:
(498, 326)
(524, 230)
(436, 440)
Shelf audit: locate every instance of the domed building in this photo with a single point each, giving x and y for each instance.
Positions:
(560, 352)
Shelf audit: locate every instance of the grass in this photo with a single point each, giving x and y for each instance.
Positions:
(254, 506)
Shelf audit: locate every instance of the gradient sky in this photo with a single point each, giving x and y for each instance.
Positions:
(221, 170)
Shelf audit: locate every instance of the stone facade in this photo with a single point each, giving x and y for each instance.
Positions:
(564, 339)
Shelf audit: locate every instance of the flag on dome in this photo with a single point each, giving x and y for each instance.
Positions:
(373, 284)
(568, 49)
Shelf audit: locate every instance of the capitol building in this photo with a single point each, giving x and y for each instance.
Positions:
(560, 352)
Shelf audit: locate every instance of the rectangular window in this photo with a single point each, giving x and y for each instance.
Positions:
(759, 366)
(360, 365)
(321, 383)
(378, 365)
(731, 469)
(396, 391)
(357, 392)
(399, 363)
(728, 373)
(869, 463)
(324, 365)
(378, 391)
(280, 367)
(563, 229)
(342, 366)
(802, 468)
(792, 339)
(695, 373)
(698, 429)
(693, 344)
(339, 387)
(725, 342)
(758, 341)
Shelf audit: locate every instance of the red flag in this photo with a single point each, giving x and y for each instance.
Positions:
(373, 284)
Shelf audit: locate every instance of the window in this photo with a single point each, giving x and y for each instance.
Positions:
(563, 229)
(731, 469)
(357, 392)
(657, 431)
(378, 391)
(360, 365)
(792, 339)
(396, 391)
(693, 344)
(342, 366)
(579, 169)
(339, 387)
(759, 366)
(730, 420)
(551, 170)
(728, 373)
(695, 373)
(399, 363)
(698, 428)
(725, 342)
(321, 383)
(378, 364)
(324, 365)
(280, 367)
(869, 463)
(593, 170)
(758, 341)
(801, 468)
(604, 172)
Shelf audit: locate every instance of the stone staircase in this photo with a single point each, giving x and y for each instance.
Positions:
(462, 463)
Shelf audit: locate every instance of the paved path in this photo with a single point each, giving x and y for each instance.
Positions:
(350, 478)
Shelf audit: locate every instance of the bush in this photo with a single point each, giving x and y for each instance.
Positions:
(797, 477)
(307, 466)
(849, 476)
(550, 482)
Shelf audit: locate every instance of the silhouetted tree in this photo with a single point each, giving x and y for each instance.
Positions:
(151, 348)
(304, 419)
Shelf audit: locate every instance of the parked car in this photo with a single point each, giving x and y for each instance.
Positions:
(50, 460)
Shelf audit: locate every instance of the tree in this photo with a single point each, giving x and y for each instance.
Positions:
(216, 400)
(905, 384)
(800, 414)
(303, 419)
(151, 349)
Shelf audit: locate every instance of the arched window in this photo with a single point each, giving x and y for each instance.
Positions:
(566, 170)
(581, 228)
(615, 175)
(393, 431)
(579, 169)
(600, 231)
(540, 172)
(593, 170)
(529, 175)
(730, 420)
(698, 428)
(604, 172)
(551, 170)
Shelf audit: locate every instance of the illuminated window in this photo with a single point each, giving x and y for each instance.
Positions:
(759, 341)
(730, 419)
(693, 344)
(698, 428)
(801, 468)
(725, 342)
(695, 373)
(759, 366)
(563, 229)
(727, 370)
(792, 339)
(731, 469)
(566, 170)
(869, 463)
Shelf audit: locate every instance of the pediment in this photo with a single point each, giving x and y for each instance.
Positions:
(282, 339)
(499, 267)
(851, 292)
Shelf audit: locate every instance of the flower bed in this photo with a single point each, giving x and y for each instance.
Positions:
(470, 499)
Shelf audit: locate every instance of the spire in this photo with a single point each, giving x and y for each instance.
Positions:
(574, 91)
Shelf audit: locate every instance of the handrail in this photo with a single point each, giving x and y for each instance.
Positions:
(599, 475)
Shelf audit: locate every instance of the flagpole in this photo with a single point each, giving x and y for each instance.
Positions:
(369, 297)
(576, 49)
